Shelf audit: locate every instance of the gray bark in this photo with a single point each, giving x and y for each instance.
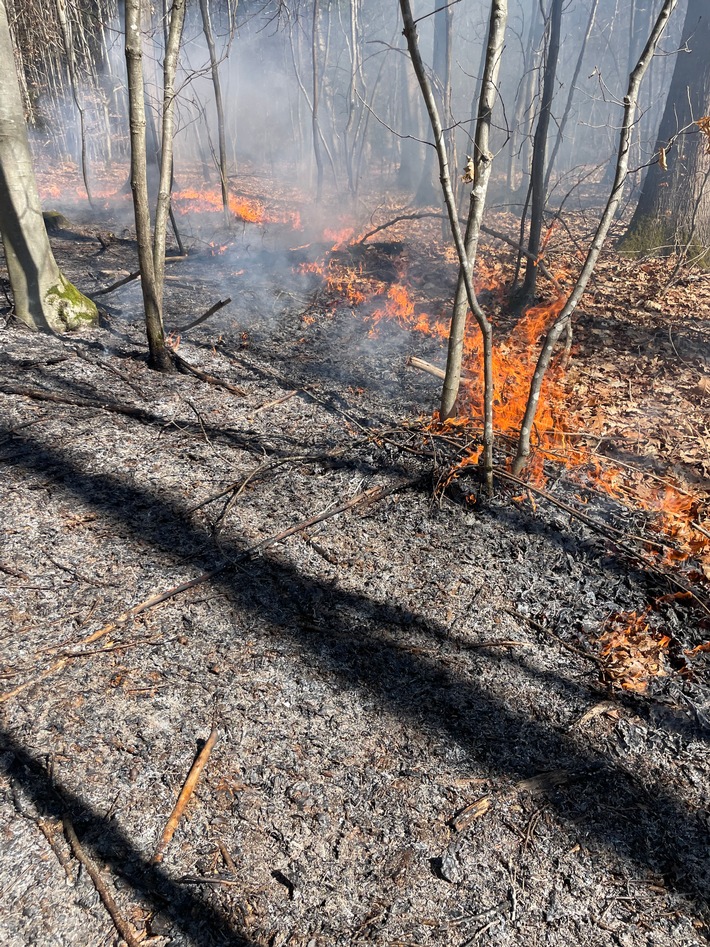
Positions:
(44, 299)
(622, 166)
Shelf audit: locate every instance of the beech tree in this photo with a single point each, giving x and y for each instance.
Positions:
(44, 299)
(673, 211)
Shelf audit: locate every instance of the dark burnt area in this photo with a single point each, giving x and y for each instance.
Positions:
(371, 677)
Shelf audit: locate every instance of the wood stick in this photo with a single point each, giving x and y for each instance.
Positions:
(117, 284)
(371, 495)
(430, 369)
(184, 797)
(187, 369)
(205, 315)
(122, 926)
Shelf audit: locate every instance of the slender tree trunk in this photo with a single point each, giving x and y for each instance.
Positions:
(44, 299)
(315, 97)
(482, 162)
(537, 199)
(410, 33)
(151, 248)
(622, 165)
(219, 107)
(74, 82)
(570, 95)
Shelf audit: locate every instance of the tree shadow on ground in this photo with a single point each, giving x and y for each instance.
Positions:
(350, 636)
(188, 911)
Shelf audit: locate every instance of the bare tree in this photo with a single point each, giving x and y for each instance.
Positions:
(498, 18)
(622, 166)
(219, 107)
(44, 299)
(539, 155)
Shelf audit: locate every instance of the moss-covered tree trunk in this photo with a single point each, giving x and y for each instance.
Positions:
(674, 207)
(44, 299)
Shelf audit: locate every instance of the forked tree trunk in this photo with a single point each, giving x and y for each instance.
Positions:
(539, 156)
(44, 299)
(219, 108)
(482, 161)
(410, 33)
(151, 248)
(622, 166)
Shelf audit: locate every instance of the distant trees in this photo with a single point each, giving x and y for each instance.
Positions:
(673, 212)
(44, 299)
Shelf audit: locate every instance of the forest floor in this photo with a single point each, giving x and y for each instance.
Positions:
(441, 719)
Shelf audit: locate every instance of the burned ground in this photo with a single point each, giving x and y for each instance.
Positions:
(417, 741)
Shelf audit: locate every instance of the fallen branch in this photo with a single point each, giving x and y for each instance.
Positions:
(205, 315)
(121, 924)
(369, 496)
(39, 394)
(131, 277)
(187, 369)
(184, 797)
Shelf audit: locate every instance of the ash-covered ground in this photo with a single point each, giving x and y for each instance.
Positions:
(415, 742)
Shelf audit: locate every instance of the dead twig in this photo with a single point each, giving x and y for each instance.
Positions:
(184, 797)
(187, 369)
(205, 315)
(39, 394)
(368, 496)
(122, 926)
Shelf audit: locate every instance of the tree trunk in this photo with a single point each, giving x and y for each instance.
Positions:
(219, 107)
(410, 34)
(428, 192)
(44, 299)
(539, 158)
(612, 206)
(151, 250)
(673, 211)
(482, 162)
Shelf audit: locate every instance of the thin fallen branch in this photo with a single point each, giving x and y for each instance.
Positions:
(130, 278)
(184, 797)
(205, 315)
(116, 285)
(39, 394)
(187, 369)
(121, 924)
(368, 496)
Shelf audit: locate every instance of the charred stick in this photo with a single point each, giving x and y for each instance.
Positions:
(121, 924)
(371, 496)
(131, 277)
(38, 394)
(117, 284)
(187, 369)
(184, 797)
(205, 315)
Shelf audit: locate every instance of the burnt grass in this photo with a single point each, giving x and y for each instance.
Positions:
(370, 677)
